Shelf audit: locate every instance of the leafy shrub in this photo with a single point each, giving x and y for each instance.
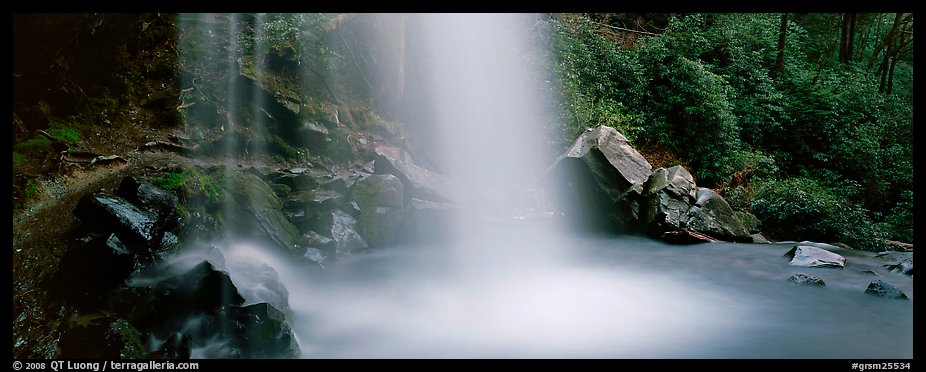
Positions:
(802, 209)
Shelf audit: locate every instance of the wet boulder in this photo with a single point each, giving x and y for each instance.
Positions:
(342, 228)
(884, 289)
(88, 272)
(258, 331)
(170, 304)
(809, 254)
(381, 201)
(711, 215)
(303, 206)
(136, 227)
(150, 197)
(255, 212)
(806, 280)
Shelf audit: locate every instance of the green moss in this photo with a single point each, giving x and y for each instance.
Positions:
(18, 159)
(66, 134)
(35, 146)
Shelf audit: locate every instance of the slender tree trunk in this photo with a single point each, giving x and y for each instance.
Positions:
(887, 39)
(844, 39)
(890, 75)
(850, 43)
(782, 35)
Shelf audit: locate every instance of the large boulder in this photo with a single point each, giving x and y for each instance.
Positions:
(258, 331)
(381, 201)
(419, 181)
(668, 195)
(255, 212)
(810, 254)
(602, 174)
(150, 197)
(88, 272)
(136, 227)
(711, 215)
(173, 301)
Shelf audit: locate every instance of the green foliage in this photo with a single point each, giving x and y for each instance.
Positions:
(899, 223)
(692, 113)
(802, 209)
(599, 82)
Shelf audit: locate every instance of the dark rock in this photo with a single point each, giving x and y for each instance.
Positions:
(88, 272)
(885, 289)
(898, 262)
(255, 212)
(750, 221)
(601, 172)
(106, 338)
(342, 228)
(150, 197)
(168, 306)
(711, 215)
(419, 181)
(661, 212)
(380, 198)
(134, 226)
(296, 181)
(807, 280)
(303, 206)
(280, 189)
(176, 346)
(255, 331)
(809, 254)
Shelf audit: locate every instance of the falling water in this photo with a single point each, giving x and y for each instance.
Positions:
(505, 288)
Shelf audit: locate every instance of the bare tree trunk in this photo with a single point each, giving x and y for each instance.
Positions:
(850, 44)
(890, 75)
(887, 39)
(844, 39)
(782, 35)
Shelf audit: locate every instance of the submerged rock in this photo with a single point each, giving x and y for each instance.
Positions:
(381, 201)
(898, 262)
(807, 280)
(809, 254)
(885, 289)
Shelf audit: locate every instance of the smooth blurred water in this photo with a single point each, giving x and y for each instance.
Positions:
(616, 297)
